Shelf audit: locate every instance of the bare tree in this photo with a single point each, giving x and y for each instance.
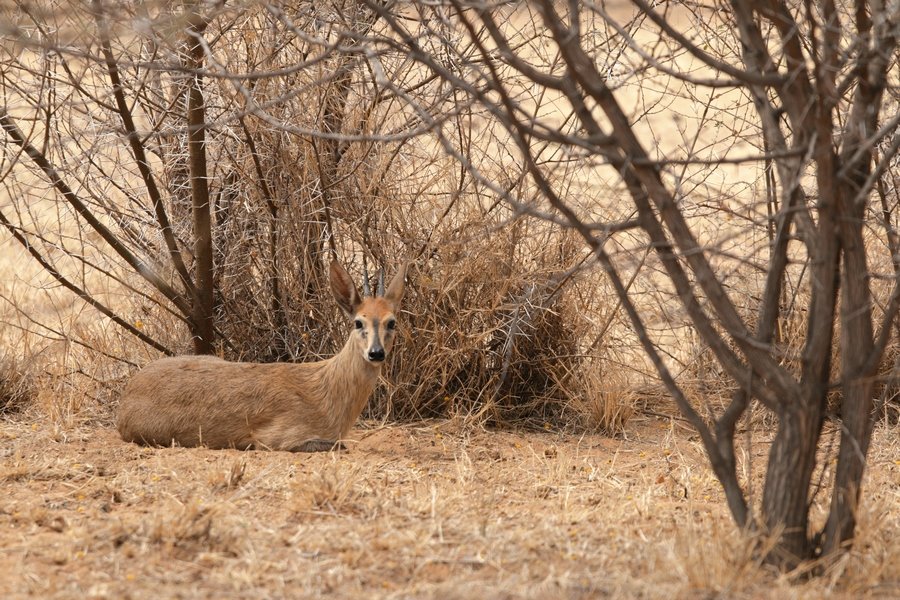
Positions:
(816, 75)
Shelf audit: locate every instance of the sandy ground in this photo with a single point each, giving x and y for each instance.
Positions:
(434, 510)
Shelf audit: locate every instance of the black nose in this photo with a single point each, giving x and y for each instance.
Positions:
(376, 354)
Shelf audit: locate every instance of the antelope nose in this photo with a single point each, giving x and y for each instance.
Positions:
(376, 354)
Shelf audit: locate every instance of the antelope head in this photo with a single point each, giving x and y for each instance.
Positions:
(374, 317)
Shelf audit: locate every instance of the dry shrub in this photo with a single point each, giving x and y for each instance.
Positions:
(887, 389)
(496, 323)
(496, 330)
(493, 324)
(498, 320)
(17, 384)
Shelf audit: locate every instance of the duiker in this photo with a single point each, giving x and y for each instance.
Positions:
(301, 407)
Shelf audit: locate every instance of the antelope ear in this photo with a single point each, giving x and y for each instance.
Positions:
(397, 286)
(343, 288)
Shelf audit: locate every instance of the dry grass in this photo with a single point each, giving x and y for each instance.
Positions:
(494, 331)
(434, 510)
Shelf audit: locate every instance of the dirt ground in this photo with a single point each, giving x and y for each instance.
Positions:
(434, 510)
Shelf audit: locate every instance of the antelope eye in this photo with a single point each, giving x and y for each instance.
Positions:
(392, 324)
(358, 324)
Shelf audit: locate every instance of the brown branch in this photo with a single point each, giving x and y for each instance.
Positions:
(722, 466)
(15, 134)
(582, 71)
(138, 152)
(277, 307)
(80, 292)
(765, 78)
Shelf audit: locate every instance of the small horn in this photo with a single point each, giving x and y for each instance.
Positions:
(367, 291)
(381, 282)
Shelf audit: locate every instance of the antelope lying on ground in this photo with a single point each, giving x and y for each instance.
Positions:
(301, 407)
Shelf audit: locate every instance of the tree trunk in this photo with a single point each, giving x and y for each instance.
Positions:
(202, 318)
(857, 344)
(786, 494)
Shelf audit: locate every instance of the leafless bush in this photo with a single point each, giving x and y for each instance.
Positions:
(489, 337)
(17, 384)
(304, 156)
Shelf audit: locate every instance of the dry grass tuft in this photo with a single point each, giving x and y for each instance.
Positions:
(605, 404)
(185, 531)
(230, 479)
(337, 488)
